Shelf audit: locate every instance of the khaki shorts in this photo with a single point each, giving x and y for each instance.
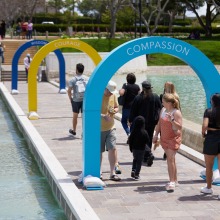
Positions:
(108, 140)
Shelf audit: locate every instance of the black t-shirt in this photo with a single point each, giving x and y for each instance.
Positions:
(131, 91)
(148, 107)
(211, 114)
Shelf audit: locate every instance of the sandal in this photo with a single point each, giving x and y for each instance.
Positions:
(115, 178)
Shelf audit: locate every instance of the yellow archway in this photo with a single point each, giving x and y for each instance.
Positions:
(41, 54)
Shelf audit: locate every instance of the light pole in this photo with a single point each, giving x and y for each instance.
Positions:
(139, 4)
(135, 19)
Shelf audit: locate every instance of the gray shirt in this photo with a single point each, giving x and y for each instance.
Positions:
(72, 84)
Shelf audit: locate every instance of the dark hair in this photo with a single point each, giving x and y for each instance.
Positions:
(131, 78)
(216, 108)
(80, 67)
(216, 100)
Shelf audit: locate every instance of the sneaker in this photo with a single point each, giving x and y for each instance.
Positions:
(137, 178)
(72, 132)
(132, 174)
(150, 160)
(170, 187)
(117, 169)
(206, 190)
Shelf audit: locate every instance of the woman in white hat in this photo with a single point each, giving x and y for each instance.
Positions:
(27, 61)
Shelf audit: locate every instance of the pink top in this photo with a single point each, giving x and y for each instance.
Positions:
(169, 138)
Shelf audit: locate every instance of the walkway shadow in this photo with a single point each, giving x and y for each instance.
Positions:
(199, 197)
(157, 186)
(68, 138)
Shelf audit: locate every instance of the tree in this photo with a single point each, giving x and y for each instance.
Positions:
(211, 13)
(56, 4)
(99, 7)
(172, 9)
(18, 8)
(152, 12)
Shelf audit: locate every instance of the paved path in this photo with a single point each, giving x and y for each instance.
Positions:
(128, 199)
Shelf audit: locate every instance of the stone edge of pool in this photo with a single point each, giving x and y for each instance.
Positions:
(67, 194)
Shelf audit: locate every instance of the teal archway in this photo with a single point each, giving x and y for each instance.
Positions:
(202, 66)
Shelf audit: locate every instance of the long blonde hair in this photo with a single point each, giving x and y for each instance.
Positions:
(170, 88)
(168, 97)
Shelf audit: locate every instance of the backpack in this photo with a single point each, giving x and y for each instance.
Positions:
(80, 88)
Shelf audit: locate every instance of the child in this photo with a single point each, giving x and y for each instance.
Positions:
(138, 141)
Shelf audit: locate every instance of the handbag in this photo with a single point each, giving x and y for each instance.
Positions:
(121, 99)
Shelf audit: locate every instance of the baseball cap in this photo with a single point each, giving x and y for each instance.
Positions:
(112, 87)
(28, 55)
(146, 85)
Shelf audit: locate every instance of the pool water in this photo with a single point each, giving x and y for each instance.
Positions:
(189, 88)
(25, 192)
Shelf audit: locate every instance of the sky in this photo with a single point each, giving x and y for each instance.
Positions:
(201, 11)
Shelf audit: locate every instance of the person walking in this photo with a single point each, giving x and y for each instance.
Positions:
(148, 105)
(169, 88)
(129, 90)
(2, 50)
(170, 129)
(138, 140)
(3, 29)
(108, 131)
(76, 89)
(27, 62)
(211, 133)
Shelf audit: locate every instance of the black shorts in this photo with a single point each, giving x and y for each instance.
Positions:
(212, 143)
(77, 107)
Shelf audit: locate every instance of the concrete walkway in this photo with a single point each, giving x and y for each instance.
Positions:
(128, 199)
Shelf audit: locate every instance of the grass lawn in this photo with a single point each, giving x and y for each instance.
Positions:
(210, 47)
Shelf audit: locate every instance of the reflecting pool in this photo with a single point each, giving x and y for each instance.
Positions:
(25, 192)
(189, 88)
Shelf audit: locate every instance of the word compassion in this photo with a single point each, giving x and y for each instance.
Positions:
(163, 45)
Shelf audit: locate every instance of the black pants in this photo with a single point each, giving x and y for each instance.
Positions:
(138, 157)
(148, 153)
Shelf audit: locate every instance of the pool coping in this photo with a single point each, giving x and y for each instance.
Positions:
(69, 197)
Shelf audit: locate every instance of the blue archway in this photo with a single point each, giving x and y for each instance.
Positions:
(202, 66)
(21, 49)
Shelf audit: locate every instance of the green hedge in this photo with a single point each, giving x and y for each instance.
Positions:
(105, 28)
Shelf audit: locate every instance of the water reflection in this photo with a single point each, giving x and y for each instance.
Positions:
(25, 193)
(189, 88)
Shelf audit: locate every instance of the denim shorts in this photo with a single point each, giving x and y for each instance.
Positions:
(108, 140)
